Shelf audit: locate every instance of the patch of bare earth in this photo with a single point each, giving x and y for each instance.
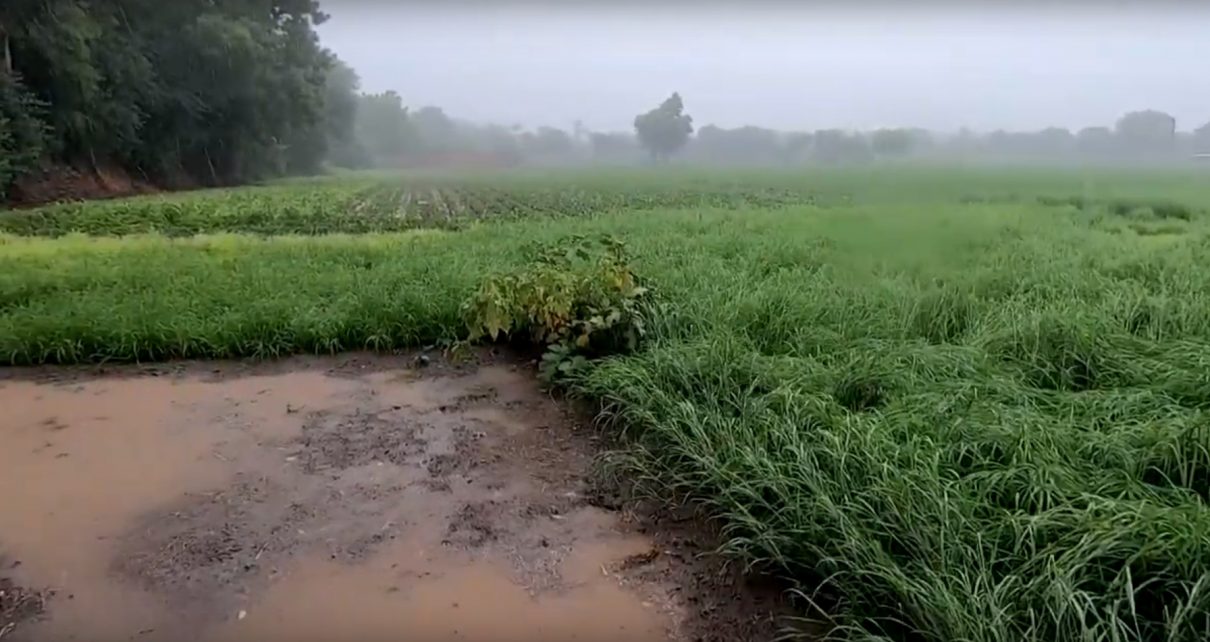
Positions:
(364, 497)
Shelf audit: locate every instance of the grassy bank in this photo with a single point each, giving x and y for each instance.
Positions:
(964, 414)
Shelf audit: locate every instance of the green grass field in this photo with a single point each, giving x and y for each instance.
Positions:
(952, 405)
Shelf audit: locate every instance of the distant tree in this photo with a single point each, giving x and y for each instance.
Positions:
(1147, 133)
(1050, 143)
(1054, 141)
(436, 131)
(892, 142)
(332, 137)
(835, 146)
(664, 130)
(502, 143)
(1096, 141)
(341, 99)
(795, 146)
(383, 126)
(615, 147)
(966, 141)
(551, 141)
(1201, 139)
(749, 144)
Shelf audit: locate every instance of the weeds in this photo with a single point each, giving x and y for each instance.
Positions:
(579, 298)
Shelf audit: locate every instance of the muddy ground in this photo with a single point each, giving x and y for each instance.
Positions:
(358, 497)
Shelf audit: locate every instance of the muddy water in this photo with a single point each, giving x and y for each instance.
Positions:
(405, 596)
(311, 503)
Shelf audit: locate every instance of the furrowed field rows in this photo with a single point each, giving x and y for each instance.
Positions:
(355, 207)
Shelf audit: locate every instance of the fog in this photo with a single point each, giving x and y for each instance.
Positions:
(940, 67)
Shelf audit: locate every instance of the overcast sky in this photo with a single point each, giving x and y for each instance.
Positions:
(939, 66)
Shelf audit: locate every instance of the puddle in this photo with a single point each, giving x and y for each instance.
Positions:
(395, 503)
(400, 595)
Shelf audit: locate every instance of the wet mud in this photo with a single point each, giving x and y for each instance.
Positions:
(362, 497)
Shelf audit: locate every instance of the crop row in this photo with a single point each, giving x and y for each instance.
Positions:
(358, 207)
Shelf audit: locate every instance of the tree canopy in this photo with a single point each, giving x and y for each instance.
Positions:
(190, 91)
(1147, 132)
(664, 130)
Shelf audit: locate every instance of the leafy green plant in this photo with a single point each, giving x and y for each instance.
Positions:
(579, 298)
(22, 132)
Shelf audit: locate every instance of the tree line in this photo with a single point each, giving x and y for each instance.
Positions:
(395, 136)
(190, 92)
(1140, 136)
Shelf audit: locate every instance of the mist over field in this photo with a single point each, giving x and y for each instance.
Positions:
(826, 65)
(777, 84)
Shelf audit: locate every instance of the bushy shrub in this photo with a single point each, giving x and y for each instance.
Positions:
(579, 298)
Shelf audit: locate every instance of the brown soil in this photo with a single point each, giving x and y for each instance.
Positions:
(56, 183)
(363, 497)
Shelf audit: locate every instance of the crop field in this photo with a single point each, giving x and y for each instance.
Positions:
(948, 405)
(359, 205)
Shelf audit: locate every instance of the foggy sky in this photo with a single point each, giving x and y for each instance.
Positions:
(940, 67)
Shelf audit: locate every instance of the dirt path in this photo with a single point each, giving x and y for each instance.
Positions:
(315, 499)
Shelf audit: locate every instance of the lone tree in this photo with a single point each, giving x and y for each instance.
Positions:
(664, 130)
(1147, 132)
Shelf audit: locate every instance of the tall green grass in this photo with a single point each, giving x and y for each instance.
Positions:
(985, 425)
(948, 419)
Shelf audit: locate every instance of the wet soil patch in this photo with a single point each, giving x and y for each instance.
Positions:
(330, 441)
(314, 498)
(212, 541)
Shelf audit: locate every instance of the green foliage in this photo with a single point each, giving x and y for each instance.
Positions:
(579, 298)
(214, 92)
(944, 408)
(22, 133)
(1148, 208)
(664, 130)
